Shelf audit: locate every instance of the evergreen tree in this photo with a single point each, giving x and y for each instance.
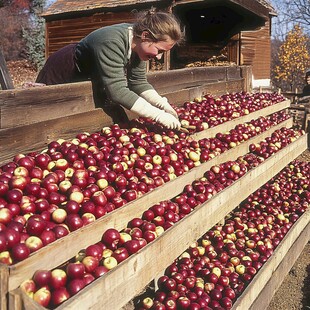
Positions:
(293, 60)
(34, 34)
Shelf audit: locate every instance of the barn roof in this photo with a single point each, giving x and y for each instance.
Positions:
(69, 6)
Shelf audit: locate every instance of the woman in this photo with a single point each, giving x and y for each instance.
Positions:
(114, 59)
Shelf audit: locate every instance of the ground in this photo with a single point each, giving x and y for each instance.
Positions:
(294, 293)
(21, 72)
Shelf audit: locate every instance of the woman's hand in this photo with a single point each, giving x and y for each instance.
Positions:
(145, 109)
(168, 108)
(168, 120)
(158, 101)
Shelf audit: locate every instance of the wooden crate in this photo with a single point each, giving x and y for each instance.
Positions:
(269, 278)
(26, 106)
(49, 257)
(36, 136)
(121, 216)
(129, 278)
(20, 107)
(246, 118)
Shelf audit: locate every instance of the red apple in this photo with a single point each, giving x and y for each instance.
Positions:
(34, 243)
(29, 287)
(58, 278)
(75, 270)
(74, 222)
(132, 246)
(59, 295)
(100, 271)
(35, 225)
(110, 237)
(94, 250)
(12, 237)
(90, 263)
(20, 252)
(42, 296)
(60, 231)
(75, 285)
(6, 216)
(121, 254)
(42, 277)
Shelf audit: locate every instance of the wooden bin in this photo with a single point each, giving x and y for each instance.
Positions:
(13, 275)
(269, 278)
(26, 106)
(36, 136)
(129, 278)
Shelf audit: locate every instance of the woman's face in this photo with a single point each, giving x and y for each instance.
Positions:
(308, 79)
(147, 49)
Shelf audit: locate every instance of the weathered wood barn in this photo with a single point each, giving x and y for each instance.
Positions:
(218, 32)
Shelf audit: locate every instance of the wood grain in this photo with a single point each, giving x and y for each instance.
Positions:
(35, 137)
(130, 277)
(25, 106)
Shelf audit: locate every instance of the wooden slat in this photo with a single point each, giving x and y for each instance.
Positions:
(280, 273)
(179, 96)
(129, 278)
(5, 78)
(4, 279)
(246, 118)
(35, 137)
(19, 300)
(51, 256)
(276, 268)
(174, 80)
(25, 106)
(15, 300)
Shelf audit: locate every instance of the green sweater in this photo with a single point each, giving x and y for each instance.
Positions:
(103, 54)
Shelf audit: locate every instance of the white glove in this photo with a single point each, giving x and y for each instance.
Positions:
(145, 109)
(158, 101)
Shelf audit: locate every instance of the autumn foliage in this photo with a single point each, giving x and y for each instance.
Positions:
(293, 60)
(12, 21)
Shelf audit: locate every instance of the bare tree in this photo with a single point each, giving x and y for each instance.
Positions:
(291, 12)
(11, 24)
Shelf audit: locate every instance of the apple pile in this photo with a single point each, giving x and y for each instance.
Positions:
(209, 111)
(116, 246)
(216, 269)
(213, 271)
(44, 196)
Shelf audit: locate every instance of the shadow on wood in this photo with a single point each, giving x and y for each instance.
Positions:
(5, 78)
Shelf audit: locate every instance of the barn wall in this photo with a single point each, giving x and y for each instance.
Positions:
(256, 51)
(62, 32)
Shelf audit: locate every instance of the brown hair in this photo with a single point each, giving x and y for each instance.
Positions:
(159, 25)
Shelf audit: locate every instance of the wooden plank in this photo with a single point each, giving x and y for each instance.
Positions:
(51, 256)
(174, 80)
(179, 96)
(35, 137)
(4, 279)
(243, 119)
(15, 300)
(300, 231)
(26, 106)
(19, 300)
(130, 277)
(279, 274)
(5, 78)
